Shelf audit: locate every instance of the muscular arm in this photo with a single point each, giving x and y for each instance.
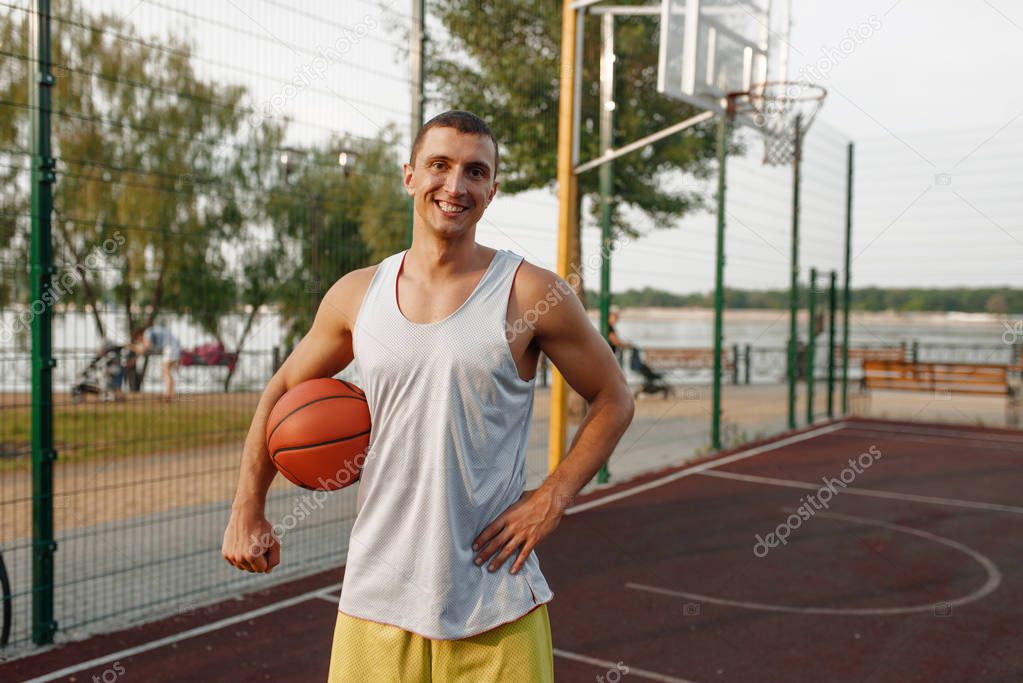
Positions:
(585, 360)
(588, 365)
(325, 350)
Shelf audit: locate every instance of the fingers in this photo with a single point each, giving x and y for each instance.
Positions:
(258, 564)
(499, 549)
(489, 533)
(259, 554)
(273, 556)
(527, 548)
(264, 554)
(493, 546)
(506, 552)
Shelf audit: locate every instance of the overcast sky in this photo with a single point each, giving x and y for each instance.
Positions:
(925, 91)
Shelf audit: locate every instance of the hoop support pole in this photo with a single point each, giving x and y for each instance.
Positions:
(568, 189)
(613, 154)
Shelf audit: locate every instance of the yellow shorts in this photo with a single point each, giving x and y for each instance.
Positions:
(368, 651)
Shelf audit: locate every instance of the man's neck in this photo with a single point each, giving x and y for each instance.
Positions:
(434, 258)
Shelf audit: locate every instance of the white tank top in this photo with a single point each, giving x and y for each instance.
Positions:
(447, 455)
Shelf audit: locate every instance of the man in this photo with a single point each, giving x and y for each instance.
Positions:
(616, 342)
(158, 339)
(441, 581)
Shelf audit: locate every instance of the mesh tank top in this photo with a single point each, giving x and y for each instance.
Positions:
(447, 455)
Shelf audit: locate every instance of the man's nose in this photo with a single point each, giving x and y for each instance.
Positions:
(454, 184)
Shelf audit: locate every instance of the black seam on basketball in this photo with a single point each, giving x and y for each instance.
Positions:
(295, 479)
(285, 470)
(304, 405)
(322, 443)
(351, 386)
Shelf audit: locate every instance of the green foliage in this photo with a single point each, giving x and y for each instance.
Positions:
(14, 162)
(1001, 301)
(501, 60)
(329, 221)
(177, 168)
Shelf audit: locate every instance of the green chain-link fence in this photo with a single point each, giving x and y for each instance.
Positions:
(217, 168)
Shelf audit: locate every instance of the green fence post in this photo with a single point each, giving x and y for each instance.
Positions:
(43, 362)
(832, 307)
(417, 69)
(735, 363)
(724, 125)
(794, 275)
(811, 343)
(747, 359)
(606, 190)
(607, 29)
(846, 293)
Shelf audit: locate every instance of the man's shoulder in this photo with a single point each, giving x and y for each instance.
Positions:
(345, 296)
(533, 283)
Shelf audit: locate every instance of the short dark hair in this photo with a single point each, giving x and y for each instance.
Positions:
(463, 122)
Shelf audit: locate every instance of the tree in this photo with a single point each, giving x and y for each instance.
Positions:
(144, 149)
(329, 220)
(501, 60)
(14, 159)
(177, 173)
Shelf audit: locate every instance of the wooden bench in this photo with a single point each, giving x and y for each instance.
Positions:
(862, 354)
(977, 379)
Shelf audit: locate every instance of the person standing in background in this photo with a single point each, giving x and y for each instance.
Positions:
(616, 342)
(158, 339)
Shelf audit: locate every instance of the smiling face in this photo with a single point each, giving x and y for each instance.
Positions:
(452, 182)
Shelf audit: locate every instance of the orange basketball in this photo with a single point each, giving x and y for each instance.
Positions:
(318, 434)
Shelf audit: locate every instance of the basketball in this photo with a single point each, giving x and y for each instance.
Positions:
(318, 433)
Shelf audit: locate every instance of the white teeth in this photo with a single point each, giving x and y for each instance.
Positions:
(450, 208)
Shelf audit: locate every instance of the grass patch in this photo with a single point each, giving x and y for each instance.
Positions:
(140, 426)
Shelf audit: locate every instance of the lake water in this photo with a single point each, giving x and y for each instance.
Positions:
(952, 336)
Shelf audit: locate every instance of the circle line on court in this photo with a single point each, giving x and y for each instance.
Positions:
(994, 580)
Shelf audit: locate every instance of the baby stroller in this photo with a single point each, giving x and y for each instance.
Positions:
(104, 373)
(653, 381)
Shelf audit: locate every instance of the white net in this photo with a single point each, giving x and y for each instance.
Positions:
(779, 110)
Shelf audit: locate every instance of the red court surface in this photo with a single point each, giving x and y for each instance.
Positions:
(912, 571)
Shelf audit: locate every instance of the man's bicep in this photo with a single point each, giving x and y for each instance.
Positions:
(576, 348)
(327, 348)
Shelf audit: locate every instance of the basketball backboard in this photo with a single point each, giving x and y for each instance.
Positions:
(710, 48)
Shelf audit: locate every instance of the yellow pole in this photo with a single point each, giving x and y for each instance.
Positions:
(567, 191)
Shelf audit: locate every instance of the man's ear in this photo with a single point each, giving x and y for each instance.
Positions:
(493, 191)
(410, 186)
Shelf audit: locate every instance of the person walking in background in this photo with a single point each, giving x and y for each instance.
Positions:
(616, 342)
(159, 340)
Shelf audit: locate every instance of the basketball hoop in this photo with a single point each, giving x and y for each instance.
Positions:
(776, 109)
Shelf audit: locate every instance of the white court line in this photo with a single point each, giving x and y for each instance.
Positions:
(696, 469)
(867, 493)
(949, 433)
(994, 580)
(184, 635)
(613, 666)
(269, 609)
(330, 598)
(944, 441)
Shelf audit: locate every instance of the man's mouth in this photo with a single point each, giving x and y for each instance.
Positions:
(450, 209)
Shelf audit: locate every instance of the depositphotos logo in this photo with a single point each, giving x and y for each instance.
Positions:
(809, 505)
